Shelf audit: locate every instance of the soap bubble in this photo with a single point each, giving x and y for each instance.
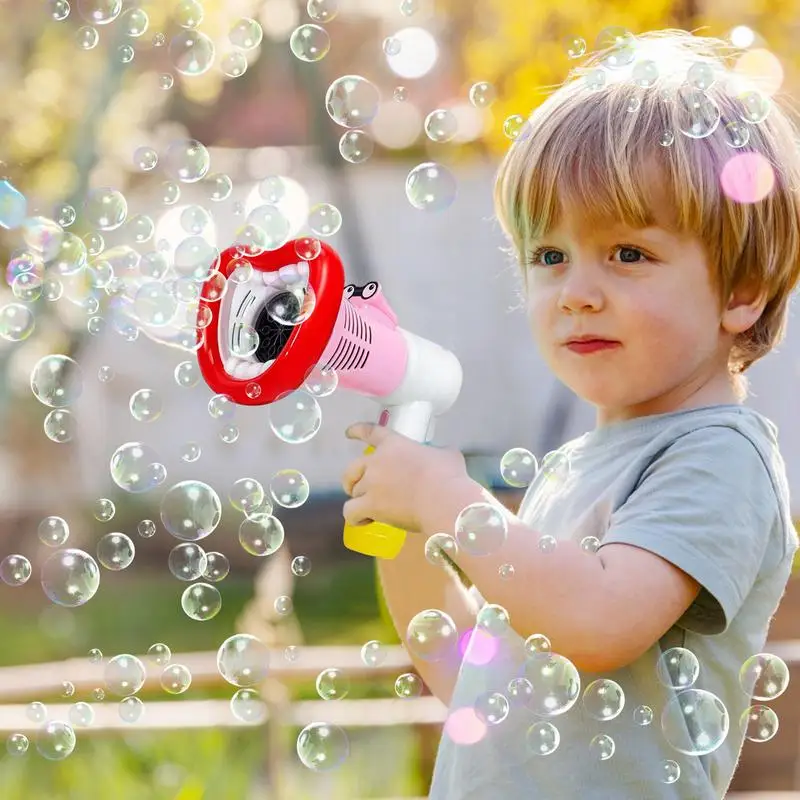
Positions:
(99, 12)
(408, 685)
(555, 682)
(332, 684)
(56, 381)
(574, 46)
(764, 676)
(187, 160)
(246, 494)
(145, 158)
(289, 488)
(439, 547)
(537, 644)
(678, 668)
(154, 305)
(292, 306)
(217, 567)
(187, 561)
(759, 723)
(518, 467)
(542, 738)
(430, 187)
(55, 741)
(135, 468)
(134, 22)
(322, 746)
(321, 382)
(16, 322)
(116, 551)
(146, 528)
(246, 34)
(15, 570)
(432, 635)
(59, 11)
(352, 101)
(191, 510)
(187, 374)
(105, 208)
(296, 418)
(491, 708)
(81, 715)
(243, 660)
(70, 577)
(392, 46)
(753, 106)
(261, 534)
(373, 653)
(176, 679)
(145, 405)
(124, 675)
(201, 601)
(409, 7)
(131, 709)
(603, 699)
(189, 13)
(698, 114)
(441, 125)
(356, 146)
(247, 706)
(670, 771)
(602, 747)
(324, 219)
(493, 619)
(159, 654)
(322, 10)
(513, 126)
(190, 452)
(695, 722)
(221, 407)
(27, 286)
(481, 529)
(310, 43)
(53, 531)
(17, 744)
(191, 53)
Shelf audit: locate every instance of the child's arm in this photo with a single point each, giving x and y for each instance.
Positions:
(574, 597)
(412, 584)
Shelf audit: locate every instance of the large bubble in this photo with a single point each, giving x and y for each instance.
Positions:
(243, 660)
(352, 101)
(322, 746)
(695, 722)
(70, 577)
(56, 381)
(191, 510)
(135, 468)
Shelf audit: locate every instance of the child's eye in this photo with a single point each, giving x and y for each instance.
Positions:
(628, 255)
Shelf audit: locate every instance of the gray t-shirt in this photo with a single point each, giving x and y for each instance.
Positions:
(703, 488)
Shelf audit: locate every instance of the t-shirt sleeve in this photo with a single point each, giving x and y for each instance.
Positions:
(707, 505)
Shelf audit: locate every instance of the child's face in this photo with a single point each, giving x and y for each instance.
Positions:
(649, 290)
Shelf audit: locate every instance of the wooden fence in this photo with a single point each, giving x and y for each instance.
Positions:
(20, 685)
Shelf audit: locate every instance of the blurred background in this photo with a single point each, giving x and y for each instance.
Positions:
(99, 101)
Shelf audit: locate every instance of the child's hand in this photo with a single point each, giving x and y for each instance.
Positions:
(397, 483)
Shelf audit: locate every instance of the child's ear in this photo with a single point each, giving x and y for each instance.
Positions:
(745, 307)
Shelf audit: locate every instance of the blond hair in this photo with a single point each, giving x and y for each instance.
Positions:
(634, 106)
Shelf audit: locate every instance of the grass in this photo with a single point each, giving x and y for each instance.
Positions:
(336, 605)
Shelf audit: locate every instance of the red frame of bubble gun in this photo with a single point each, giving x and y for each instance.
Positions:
(305, 346)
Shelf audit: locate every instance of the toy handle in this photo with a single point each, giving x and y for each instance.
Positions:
(375, 538)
